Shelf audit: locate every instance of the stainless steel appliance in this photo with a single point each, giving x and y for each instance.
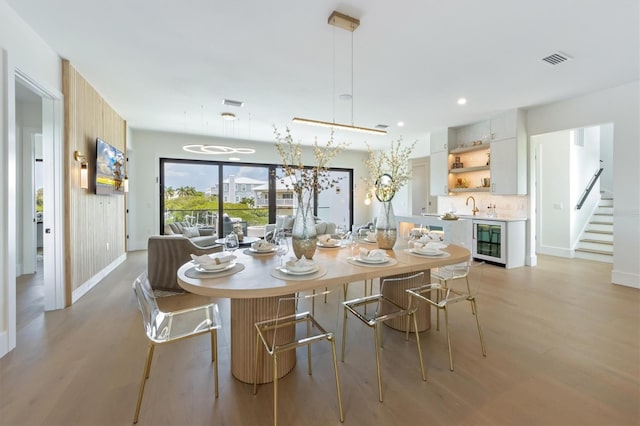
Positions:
(489, 241)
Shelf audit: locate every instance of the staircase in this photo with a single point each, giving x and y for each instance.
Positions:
(596, 242)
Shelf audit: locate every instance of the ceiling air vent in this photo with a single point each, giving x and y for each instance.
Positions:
(232, 103)
(556, 58)
(381, 126)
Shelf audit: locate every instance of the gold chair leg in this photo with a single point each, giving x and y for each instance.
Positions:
(415, 325)
(309, 348)
(375, 333)
(326, 290)
(145, 376)
(313, 303)
(214, 356)
(344, 332)
(345, 289)
(255, 365)
(335, 369)
(275, 389)
(446, 326)
(475, 309)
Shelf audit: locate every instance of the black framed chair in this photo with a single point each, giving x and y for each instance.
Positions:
(382, 309)
(282, 334)
(168, 327)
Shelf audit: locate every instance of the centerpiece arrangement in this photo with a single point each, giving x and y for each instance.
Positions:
(304, 182)
(388, 172)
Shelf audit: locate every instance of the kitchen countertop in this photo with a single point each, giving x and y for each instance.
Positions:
(482, 217)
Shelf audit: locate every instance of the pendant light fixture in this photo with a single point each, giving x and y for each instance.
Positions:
(348, 23)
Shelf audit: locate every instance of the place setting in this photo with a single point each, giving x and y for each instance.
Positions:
(427, 249)
(298, 269)
(213, 265)
(372, 258)
(367, 236)
(326, 241)
(260, 248)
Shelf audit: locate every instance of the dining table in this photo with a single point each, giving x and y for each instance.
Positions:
(256, 283)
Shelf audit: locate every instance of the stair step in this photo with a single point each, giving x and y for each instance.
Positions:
(601, 222)
(598, 231)
(597, 246)
(605, 213)
(605, 203)
(607, 210)
(588, 255)
(591, 240)
(598, 236)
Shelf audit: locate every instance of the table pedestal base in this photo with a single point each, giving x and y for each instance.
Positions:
(397, 293)
(244, 314)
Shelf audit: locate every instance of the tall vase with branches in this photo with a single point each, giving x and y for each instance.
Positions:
(305, 182)
(388, 172)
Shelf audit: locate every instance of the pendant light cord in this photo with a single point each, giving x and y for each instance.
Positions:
(352, 94)
(334, 74)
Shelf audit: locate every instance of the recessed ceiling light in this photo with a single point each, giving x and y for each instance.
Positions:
(232, 103)
(400, 123)
(462, 101)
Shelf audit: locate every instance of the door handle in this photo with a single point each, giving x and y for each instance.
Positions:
(47, 231)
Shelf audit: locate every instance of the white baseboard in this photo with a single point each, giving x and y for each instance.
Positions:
(531, 260)
(625, 278)
(4, 344)
(88, 285)
(556, 251)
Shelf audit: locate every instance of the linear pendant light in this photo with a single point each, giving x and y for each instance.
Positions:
(338, 126)
(348, 23)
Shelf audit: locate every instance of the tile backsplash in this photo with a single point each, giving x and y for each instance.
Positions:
(506, 206)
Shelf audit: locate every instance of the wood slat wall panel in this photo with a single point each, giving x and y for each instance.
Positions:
(95, 224)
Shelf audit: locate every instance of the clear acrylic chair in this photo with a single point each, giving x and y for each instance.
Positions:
(167, 327)
(442, 294)
(288, 332)
(381, 310)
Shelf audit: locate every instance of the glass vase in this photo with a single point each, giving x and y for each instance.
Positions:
(386, 228)
(303, 233)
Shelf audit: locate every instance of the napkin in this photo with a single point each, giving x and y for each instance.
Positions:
(375, 254)
(327, 240)
(371, 236)
(262, 245)
(300, 265)
(212, 261)
(429, 248)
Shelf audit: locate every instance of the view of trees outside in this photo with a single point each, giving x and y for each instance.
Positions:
(193, 194)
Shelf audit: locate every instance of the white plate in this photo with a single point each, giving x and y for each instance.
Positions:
(328, 245)
(210, 271)
(359, 259)
(440, 253)
(271, 250)
(366, 240)
(284, 270)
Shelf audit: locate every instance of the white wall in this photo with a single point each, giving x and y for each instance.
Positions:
(22, 49)
(606, 155)
(620, 106)
(585, 161)
(147, 147)
(553, 174)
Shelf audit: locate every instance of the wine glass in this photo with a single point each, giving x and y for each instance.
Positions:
(282, 245)
(341, 231)
(231, 243)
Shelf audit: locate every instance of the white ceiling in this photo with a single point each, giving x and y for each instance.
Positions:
(167, 65)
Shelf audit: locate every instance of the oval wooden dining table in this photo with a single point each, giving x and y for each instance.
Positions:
(254, 294)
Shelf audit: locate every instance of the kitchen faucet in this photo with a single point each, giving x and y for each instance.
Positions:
(474, 209)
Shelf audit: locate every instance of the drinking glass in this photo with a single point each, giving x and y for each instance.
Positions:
(352, 242)
(282, 245)
(341, 231)
(231, 243)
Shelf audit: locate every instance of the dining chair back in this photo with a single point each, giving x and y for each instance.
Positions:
(289, 331)
(166, 327)
(381, 309)
(442, 294)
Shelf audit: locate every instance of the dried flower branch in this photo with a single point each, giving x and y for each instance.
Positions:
(395, 163)
(301, 179)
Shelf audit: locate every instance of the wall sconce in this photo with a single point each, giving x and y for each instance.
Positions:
(367, 199)
(84, 169)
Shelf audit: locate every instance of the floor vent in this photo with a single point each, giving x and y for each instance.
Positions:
(556, 58)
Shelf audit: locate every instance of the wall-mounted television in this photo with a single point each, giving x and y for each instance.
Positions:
(110, 169)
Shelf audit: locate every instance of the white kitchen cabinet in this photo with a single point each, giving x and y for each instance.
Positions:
(504, 126)
(440, 140)
(439, 169)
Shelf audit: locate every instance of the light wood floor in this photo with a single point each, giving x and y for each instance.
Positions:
(563, 348)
